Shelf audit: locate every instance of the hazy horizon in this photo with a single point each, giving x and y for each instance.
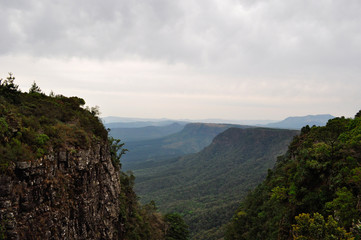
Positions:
(115, 119)
(230, 59)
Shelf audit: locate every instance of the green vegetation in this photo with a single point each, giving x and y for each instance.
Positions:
(316, 227)
(177, 228)
(139, 222)
(33, 125)
(144, 222)
(205, 187)
(117, 150)
(317, 179)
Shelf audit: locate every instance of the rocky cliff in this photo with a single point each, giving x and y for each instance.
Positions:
(60, 174)
(63, 195)
(58, 177)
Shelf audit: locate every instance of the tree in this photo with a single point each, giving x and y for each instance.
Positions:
(358, 114)
(34, 88)
(177, 229)
(116, 150)
(8, 89)
(9, 84)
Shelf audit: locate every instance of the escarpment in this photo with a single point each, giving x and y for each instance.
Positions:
(60, 174)
(58, 177)
(62, 195)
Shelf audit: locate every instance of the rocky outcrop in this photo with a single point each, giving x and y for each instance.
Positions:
(67, 194)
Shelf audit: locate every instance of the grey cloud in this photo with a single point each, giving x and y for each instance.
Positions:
(237, 36)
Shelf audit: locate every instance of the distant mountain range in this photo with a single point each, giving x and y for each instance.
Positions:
(113, 119)
(128, 134)
(288, 123)
(160, 139)
(299, 122)
(139, 124)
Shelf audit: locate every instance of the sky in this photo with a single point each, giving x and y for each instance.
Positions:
(189, 59)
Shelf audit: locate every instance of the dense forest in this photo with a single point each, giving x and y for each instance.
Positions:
(205, 187)
(33, 125)
(314, 191)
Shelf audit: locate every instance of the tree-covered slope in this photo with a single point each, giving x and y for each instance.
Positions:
(314, 192)
(205, 187)
(193, 138)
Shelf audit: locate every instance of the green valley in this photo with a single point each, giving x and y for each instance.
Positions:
(206, 187)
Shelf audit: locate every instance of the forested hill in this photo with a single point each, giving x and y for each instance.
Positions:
(206, 187)
(314, 192)
(193, 138)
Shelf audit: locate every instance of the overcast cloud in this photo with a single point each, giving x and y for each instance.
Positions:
(189, 59)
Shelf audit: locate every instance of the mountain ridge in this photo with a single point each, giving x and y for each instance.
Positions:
(297, 122)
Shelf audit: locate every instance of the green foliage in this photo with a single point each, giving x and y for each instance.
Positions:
(116, 150)
(8, 89)
(31, 123)
(139, 222)
(34, 88)
(42, 139)
(279, 193)
(343, 207)
(315, 228)
(8, 84)
(177, 229)
(319, 175)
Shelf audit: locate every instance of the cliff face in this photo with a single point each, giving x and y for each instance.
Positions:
(63, 195)
(60, 175)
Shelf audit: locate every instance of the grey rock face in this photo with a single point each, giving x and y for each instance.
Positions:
(65, 195)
